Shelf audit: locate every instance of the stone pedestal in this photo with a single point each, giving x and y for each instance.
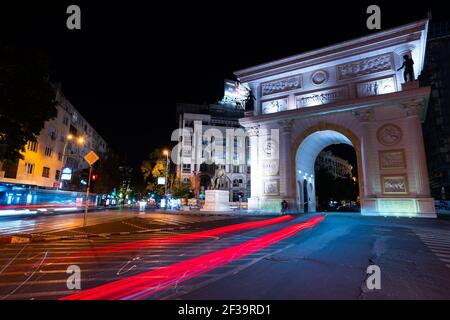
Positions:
(217, 200)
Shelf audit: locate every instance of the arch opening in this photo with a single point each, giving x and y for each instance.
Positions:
(307, 172)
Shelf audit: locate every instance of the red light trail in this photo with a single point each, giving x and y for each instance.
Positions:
(172, 240)
(145, 284)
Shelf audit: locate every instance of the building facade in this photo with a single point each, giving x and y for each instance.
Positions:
(337, 167)
(63, 143)
(200, 152)
(436, 126)
(347, 93)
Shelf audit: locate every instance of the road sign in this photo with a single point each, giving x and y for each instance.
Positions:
(91, 158)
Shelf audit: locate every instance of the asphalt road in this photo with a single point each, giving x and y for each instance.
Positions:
(284, 260)
(45, 223)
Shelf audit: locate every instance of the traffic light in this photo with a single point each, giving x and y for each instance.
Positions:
(94, 177)
(84, 176)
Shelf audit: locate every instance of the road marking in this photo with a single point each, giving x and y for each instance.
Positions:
(438, 242)
(145, 284)
(103, 268)
(10, 261)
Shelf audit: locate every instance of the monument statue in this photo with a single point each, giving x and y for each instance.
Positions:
(408, 65)
(217, 198)
(220, 181)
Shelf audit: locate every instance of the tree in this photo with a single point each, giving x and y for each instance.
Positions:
(181, 189)
(27, 100)
(151, 170)
(159, 170)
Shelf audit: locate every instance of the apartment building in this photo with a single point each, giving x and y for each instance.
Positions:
(218, 118)
(61, 144)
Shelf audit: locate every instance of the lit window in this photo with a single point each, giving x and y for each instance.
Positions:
(29, 167)
(32, 146)
(48, 151)
(46, 172)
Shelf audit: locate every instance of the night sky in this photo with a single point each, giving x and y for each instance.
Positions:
(132, 62)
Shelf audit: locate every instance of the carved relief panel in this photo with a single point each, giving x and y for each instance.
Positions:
(322, 97)
(364, 67)
(395, 184)
(376, 87)
(271, 187)
(281, 85)
(389, 134)
(392, 159)
(273, 106)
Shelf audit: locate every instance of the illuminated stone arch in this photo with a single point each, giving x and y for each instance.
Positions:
(359, 99)
(308, 145)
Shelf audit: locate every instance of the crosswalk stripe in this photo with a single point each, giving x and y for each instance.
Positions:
(444, 239)
(438, 243)
(436, 239)
(444, 255)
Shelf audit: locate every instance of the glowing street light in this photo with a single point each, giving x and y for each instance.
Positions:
(166, 153)
(70, 137)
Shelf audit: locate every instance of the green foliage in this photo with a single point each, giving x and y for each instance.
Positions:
(180, 189)
(27, 100)
(151, 169)
(159, 169)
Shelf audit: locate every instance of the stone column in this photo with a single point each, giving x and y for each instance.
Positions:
(255, 179)
(413, 111)
(285, 162)
(366, 166)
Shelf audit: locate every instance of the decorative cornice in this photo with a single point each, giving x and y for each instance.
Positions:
(395, 36)
(253, 131)
(364, 115)
(395, 98)
(286, 125)
(412, 108)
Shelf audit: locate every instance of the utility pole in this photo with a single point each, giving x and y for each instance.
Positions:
(86, 207)
(90, 158)
(166, 153)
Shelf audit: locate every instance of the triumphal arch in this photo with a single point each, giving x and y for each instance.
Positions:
(349, 93)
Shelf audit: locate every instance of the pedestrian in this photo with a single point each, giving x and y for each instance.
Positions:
(284, 206)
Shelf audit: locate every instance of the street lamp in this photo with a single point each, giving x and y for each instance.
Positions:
(166, 153)
(70, 137)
